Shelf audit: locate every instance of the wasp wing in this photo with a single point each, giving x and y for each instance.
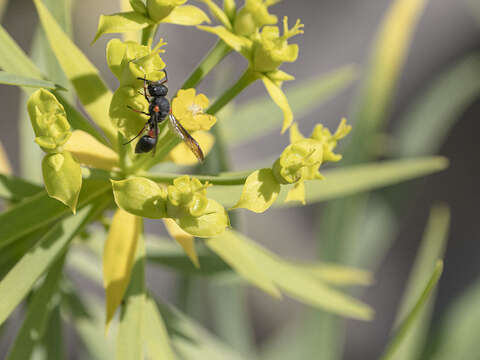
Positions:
(186, 137)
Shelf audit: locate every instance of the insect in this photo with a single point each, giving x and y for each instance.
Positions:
(159, 109)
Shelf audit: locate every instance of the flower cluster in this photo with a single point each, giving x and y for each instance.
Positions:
(184, 201)
(62, 174)
(300, 161)
(149, 14)
(251, 32)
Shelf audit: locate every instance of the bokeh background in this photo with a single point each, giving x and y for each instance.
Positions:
(336, 33)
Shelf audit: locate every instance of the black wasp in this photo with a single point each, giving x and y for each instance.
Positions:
(159, 109)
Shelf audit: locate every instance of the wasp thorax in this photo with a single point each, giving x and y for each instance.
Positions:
(157, 90)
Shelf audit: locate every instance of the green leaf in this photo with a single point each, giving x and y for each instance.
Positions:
(13, 188)
(187, 15)
(386, 62)
(88, 321)
(259, 192)
(91, 90)
(19, 281)
(338, 182)
(130, 338)
(19, 80)
(41, 210)
(432, 248)
(118, 259)
(271, 273)
(53, 338)
(35, 321)
(156, 335)
(243, 125)
(427, 123)
(63, 178)
(140, 196)
(14, 60)
(457, 337)
(191, 341)
(121, 22)
(413, 315)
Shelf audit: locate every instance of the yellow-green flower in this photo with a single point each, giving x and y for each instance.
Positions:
(154, 12)
(266, 50)
(270, 49)
(189, 194)
(253, 16)
(189, 109)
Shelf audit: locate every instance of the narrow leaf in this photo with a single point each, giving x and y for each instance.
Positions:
(338, 182)
(19, 80)
(35, 321)
(432, 248)
(91, 90)
(121, 22)
(186, 240)
(18, 282)
(187, 15)
(5, 167)
(412, 315)
(41, 210)
(13, 188)
(156, 335)
(118, 257)
(243, 125)
(251, 261)
(426, 124)
(130, 338)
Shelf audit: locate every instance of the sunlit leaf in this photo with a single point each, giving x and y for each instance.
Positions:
(186, 240)
(41, 210)
(338, 182)
(18, 282)
(413, 314)
(90, 88)
(35, 321)
(19, 80)
(121, 22)
(156, 335)
(118, 259)
(89, 151)
(272, 273)
(130, 338)
(188, 15)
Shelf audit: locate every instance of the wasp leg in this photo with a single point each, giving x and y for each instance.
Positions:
(140, 133)
(166, 77)
(138, 111)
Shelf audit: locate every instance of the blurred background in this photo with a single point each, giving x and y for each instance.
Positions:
(337, 33)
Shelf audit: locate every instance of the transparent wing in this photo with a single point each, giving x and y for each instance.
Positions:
(186, 137)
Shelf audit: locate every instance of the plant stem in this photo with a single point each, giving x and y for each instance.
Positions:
(248, 77)
(148, 34)
(234, 178)
(214, 56)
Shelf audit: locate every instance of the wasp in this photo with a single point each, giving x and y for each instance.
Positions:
(158, 110)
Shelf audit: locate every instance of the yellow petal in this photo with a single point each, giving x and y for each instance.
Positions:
(297, 193)
(118, 255)
(202, 101)
(280, 99)
(89, 151)
(182, 155)
(5, 167)
(187, 15)
(186, 240)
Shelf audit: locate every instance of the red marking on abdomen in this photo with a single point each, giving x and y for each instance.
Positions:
(156, 108)
(151, 133)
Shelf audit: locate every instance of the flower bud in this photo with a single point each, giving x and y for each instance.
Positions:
(159, 9)
(49, 121)
(270, 49)
(253, 16)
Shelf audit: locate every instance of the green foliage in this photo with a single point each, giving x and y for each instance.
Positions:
(90, 168)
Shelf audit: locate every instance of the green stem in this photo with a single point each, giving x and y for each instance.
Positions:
(214, 56)
(248, 77)
(228, 178)
(148, 34)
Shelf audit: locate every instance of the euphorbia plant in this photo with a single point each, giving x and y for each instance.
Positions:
(93, 172)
